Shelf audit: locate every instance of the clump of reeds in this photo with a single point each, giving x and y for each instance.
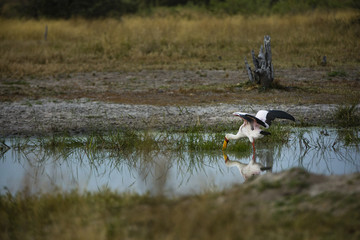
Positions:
(347, 115)
(127, 140)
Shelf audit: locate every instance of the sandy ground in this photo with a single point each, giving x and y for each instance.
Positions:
(78, 116)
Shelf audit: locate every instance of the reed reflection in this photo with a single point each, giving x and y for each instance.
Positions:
(3, 148)
(156, 172)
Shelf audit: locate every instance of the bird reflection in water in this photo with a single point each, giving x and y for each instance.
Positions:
(249, 170)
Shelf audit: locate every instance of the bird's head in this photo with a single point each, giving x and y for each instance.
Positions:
(237, 114)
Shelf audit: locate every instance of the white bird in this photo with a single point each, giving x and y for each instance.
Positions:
(251, 128)
(246, 170)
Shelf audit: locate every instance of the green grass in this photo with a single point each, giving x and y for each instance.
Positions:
(349, 136)
(347, 116)
(196, 138)
(122, 142)
(340, 73)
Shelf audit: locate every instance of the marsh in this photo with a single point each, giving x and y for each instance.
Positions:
(170, 164)
(115, 126)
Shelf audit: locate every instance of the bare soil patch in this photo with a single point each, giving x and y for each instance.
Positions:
(161, 99)
(183, 87)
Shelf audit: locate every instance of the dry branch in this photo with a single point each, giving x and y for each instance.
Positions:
(264, 70)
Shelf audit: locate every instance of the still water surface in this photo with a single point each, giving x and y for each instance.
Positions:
(173, 173)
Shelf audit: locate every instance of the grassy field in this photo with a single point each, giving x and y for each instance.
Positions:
(187, 40)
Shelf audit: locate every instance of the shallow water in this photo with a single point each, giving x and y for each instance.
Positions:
(175, 172)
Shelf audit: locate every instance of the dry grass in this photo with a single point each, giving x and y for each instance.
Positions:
(267, 209)
(175, 42)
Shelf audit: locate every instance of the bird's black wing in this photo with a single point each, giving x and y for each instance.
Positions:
(272, 114)
(246, 117)
(250, 119)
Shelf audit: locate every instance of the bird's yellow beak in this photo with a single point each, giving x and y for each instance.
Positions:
(225, 144)
(226, 158)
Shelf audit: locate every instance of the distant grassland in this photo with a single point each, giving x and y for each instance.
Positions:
(189, 40)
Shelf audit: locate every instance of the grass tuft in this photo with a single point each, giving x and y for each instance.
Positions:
(347, 116)
(340, 73)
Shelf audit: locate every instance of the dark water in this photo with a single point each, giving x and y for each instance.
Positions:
(321, 151)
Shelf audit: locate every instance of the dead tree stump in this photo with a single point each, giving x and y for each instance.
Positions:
(264, 70)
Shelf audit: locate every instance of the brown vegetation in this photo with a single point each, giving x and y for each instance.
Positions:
(195, 41)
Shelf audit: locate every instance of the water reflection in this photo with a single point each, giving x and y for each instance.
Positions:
(3, 149)
(248, 170)
(161, 171)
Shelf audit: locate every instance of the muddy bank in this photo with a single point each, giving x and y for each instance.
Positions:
(78, 116)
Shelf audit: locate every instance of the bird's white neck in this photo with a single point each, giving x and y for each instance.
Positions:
(239, 134)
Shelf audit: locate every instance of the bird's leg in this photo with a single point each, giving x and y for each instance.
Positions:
(253, 144)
